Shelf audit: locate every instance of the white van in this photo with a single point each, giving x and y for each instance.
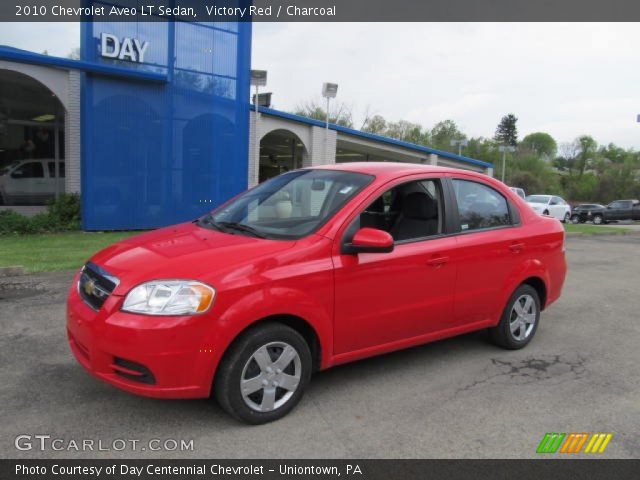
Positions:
(30, 181)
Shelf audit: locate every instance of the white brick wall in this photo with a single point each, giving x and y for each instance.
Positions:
(72, 134)
(323, 146)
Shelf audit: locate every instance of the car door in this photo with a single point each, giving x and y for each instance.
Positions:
(614, 210)
(488, 241)
(556, 208)
(387, 298)
(27, 181)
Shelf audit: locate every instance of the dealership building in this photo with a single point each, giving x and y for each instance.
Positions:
(151, 123)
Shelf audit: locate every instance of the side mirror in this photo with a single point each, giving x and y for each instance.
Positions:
(369, 240)
(609, 207)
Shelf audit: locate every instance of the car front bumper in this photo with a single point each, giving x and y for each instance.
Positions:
(162, 357)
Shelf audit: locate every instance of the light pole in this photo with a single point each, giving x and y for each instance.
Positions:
(258, 79)
(460, 143)
(329, 91)
(504, 149)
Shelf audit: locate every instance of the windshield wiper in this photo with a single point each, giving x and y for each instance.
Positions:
(208, 220)
(241, 227)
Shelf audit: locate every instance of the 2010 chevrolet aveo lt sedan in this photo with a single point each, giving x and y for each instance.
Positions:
(311, 269)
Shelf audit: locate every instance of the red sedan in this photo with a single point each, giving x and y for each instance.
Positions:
(308, 270)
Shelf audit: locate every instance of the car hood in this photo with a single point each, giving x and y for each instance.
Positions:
(184, 251)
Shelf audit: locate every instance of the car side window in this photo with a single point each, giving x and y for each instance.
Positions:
(409, 211)
(615, 205)
(29, 170)
(480, 206)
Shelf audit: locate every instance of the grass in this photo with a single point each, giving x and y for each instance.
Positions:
(50, 252)
(593, 229)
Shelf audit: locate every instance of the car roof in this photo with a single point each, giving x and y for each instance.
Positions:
(390, 168)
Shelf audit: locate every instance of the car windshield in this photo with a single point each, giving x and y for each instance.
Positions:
(538, 198)
(6, 169)
(289, 206)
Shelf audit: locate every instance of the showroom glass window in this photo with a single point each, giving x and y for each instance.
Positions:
(480, 206)
(408, 212)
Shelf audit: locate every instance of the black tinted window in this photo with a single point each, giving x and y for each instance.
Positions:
(29, 170)
(480, 206)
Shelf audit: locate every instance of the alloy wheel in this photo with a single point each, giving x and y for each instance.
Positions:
(523, 317)
(271, 376)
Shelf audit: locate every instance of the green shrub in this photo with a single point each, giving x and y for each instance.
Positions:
(62, 215)
(66, 209)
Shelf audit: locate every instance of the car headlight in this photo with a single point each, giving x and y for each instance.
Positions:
(169, 297)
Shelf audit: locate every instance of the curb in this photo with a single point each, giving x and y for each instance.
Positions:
(12, 271)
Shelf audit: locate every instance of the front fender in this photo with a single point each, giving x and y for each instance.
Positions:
(271, 300)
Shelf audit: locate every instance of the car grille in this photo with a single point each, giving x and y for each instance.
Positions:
(95, 285)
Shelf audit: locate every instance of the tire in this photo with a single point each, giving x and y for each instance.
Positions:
(567, 218)
(546, 212)
(264, 343)
(598, 220)
(515, 331)
(575, 219)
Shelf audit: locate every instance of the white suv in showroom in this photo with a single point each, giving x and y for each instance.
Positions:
(550, 205)
(30, 181)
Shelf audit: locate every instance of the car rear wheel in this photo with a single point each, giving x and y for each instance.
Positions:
(575, 219)
(567, 217)
(519, 320)
(263, 375)
(597, 220)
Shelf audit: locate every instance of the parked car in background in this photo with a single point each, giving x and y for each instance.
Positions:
(314, 268)
(619, 210)
(518, 191)
(550, 205)
(31, 181)
(588, 212)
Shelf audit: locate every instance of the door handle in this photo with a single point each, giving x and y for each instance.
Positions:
(516, 247)
(437, 261)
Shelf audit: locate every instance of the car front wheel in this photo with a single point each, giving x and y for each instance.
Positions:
(598, 220)
(263, 375)
(519, 320)
(575, 219)
(567, 217)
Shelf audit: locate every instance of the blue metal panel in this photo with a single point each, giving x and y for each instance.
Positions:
(161, 153)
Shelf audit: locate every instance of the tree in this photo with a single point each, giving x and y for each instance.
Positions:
(340, 114)
(376, 124)
(588, 149)
(540, 143)
(443, 132)
(507, 131)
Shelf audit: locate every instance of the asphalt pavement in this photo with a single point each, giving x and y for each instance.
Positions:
(458, 398)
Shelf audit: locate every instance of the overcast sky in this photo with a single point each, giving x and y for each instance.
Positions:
(564, 79)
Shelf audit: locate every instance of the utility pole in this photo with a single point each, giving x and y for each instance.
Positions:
(504, 149)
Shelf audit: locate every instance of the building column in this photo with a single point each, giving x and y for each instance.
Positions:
(254, 154)
(323, 146)
(433, 159)
(489, 171)
(72, 132)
